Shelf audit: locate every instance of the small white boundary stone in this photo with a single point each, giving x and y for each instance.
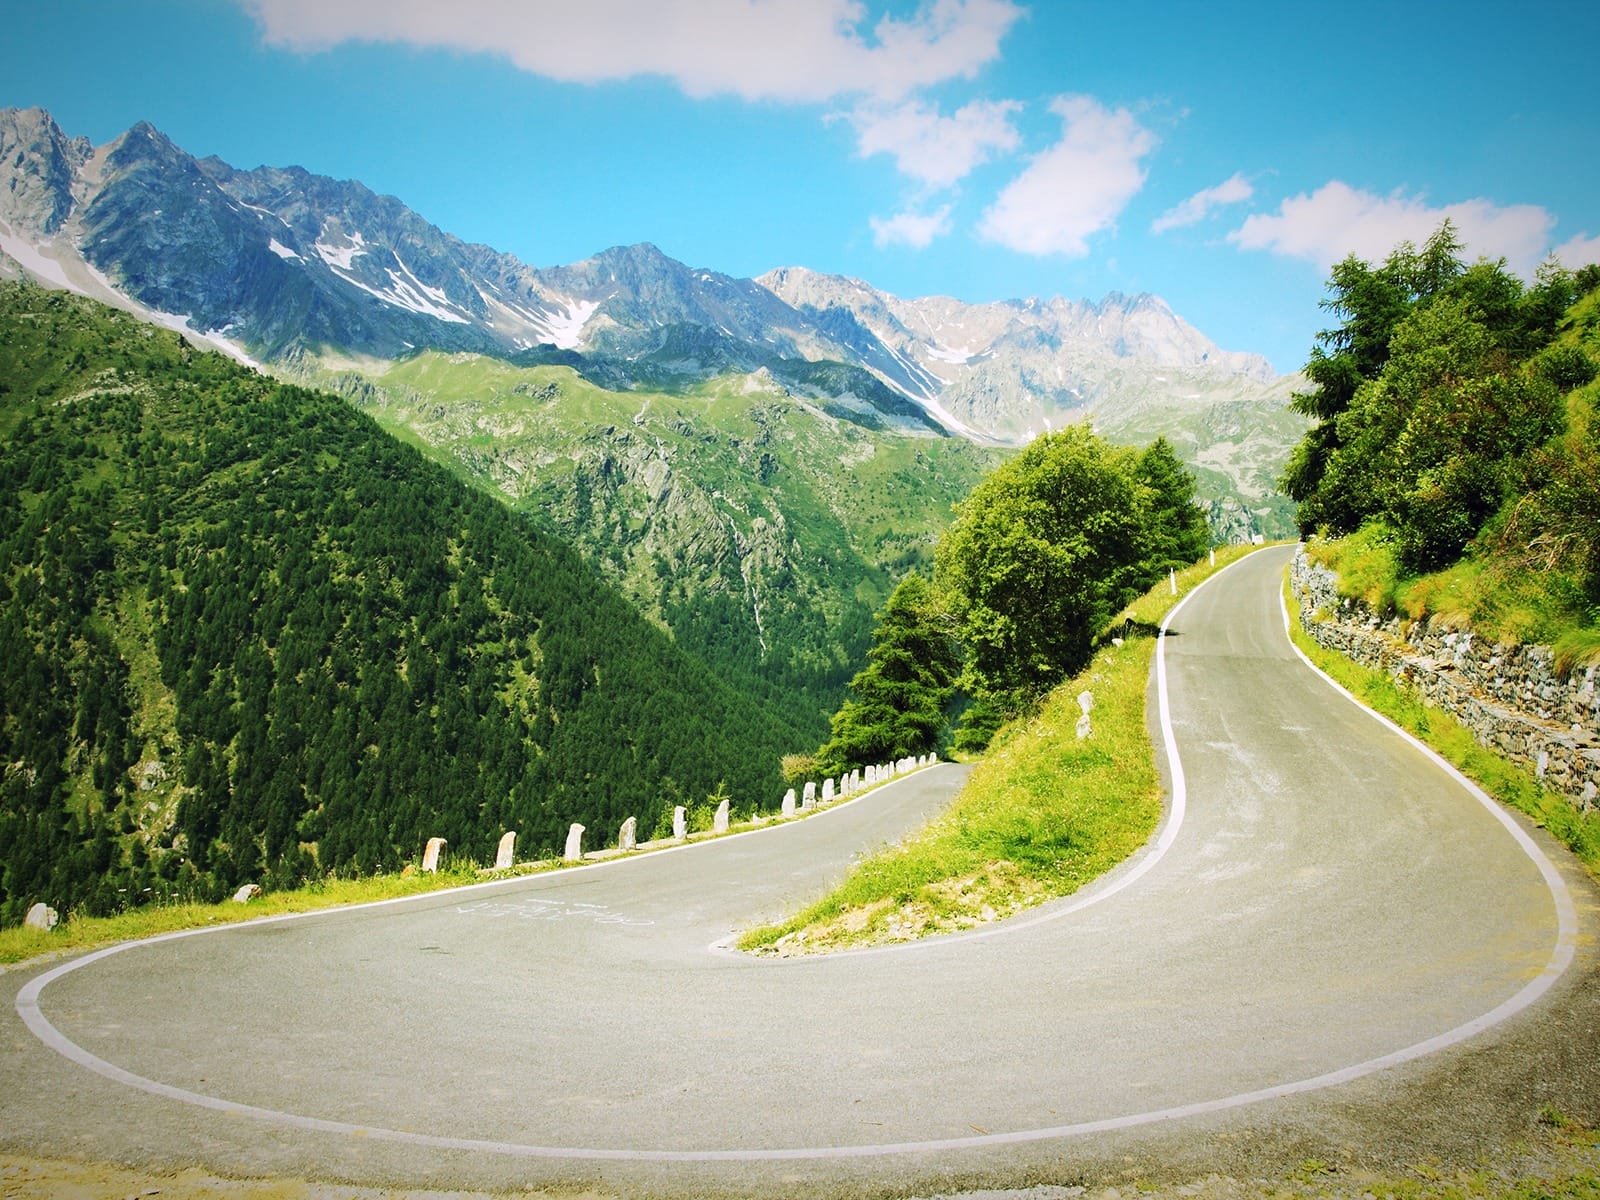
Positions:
(430, 856)
(505, 854)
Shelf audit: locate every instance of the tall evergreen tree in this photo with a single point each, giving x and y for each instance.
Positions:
(897, 703)
(1176, 532)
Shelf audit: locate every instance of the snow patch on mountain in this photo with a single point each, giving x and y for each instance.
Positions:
(565, 326)
(403, 295)
(340, 258)
(946, 354)
(281, 250)
(33, 260)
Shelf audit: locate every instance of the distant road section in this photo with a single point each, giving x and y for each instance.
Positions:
(1329, 902)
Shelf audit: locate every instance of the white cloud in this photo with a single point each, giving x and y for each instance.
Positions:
(1337, 220)
(1076, 188)
(1581, 251)
(794, 50)
(911, 229)
(935, 149)
(1198, 206)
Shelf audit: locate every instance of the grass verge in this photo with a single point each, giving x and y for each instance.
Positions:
(18, 944)
(1042, 814)
(1508, 783)
(1513, 600)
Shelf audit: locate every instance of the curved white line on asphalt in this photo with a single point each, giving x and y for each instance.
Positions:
(1566, 946)
(27, 1006)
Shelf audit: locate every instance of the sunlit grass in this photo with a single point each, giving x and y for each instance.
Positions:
(1508, 602)
(19, 943)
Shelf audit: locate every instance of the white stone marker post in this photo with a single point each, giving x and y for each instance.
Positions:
(809, 798)
(719, 823)
(430, 856)
(827, 790)
(788, 803)
(574, 843)
(680, 823)
(506, 854)
(628, 838)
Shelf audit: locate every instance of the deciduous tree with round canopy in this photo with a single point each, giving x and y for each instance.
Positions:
(1041, 556)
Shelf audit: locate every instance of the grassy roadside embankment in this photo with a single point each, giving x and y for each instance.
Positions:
(1042, 815)
(19, 943)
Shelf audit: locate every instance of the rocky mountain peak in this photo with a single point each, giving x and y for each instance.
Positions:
(41, 163)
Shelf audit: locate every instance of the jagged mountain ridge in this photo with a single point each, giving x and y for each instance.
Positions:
(1012, 368)
(278, 261)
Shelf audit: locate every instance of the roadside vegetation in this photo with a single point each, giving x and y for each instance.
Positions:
(1455, 466)
(173, 913)
(1043, 814)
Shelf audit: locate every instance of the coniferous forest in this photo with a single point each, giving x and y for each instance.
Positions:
(249, 637)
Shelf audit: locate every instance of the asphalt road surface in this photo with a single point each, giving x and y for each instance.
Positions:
(1326, 920)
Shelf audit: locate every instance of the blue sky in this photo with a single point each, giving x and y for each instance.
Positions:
(1221, 156)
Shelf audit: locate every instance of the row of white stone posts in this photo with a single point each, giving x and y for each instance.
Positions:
(628, 837)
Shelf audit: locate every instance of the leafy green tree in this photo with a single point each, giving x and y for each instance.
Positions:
(897, 703)
(1371, 302)
(1176, 533)
(1433, 442)
(1041, 555)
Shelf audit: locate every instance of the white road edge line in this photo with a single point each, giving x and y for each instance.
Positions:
(1561, 958)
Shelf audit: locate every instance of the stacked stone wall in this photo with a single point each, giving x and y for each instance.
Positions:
(1511, 698)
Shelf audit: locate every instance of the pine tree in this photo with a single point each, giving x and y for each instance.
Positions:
(897, 704)
(1176, 530)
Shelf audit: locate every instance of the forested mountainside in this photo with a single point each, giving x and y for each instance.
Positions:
(247, 635)
(762, 528)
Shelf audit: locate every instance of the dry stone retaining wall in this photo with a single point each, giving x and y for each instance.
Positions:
(1510, 697)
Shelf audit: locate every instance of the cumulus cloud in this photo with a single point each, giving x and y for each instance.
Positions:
(911, 228)
(791, 50)
(1337, 220)
(1581, 251)
(1198, 206)
(935, 149)
(1076, 188)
